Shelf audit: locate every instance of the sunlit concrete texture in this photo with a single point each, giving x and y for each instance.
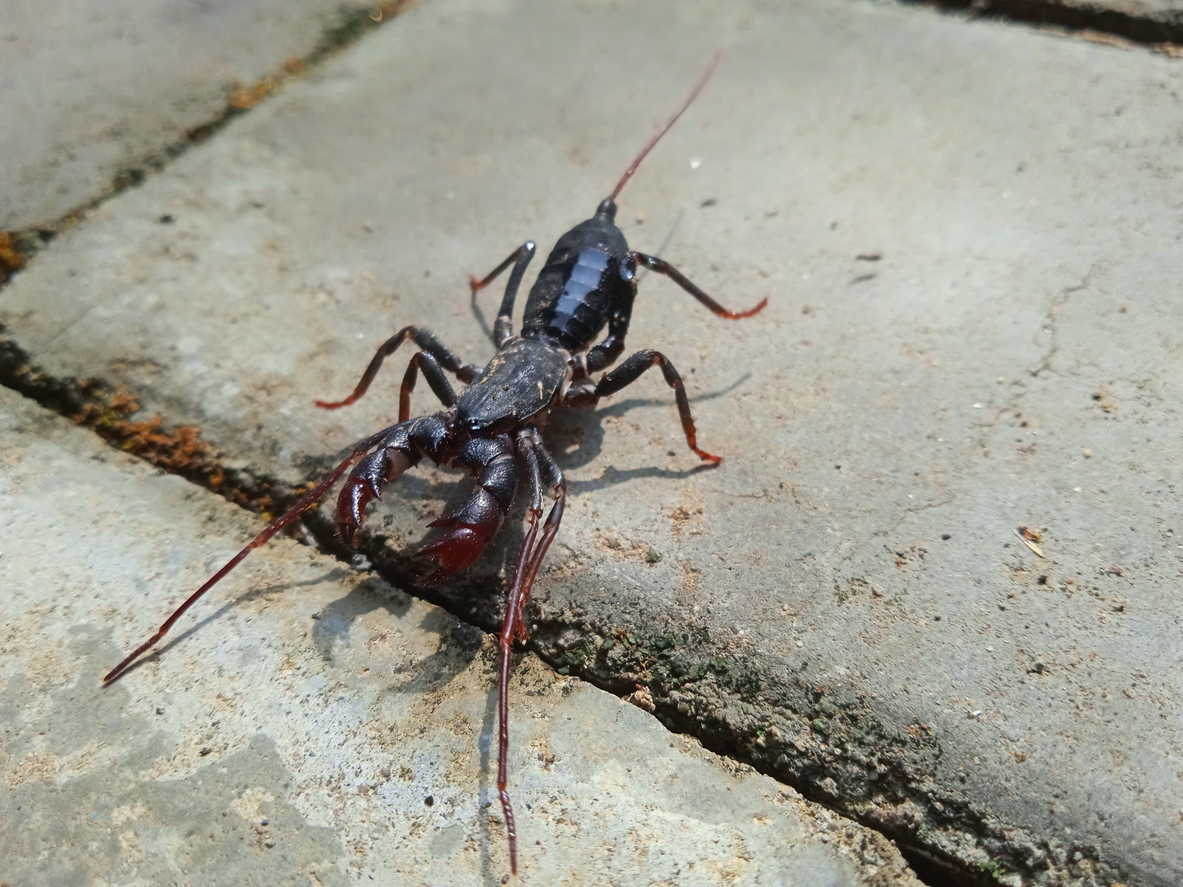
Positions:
(317, 726)
(969, 236)
(91, 89)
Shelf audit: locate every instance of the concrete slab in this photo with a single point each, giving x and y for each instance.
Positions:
(971, 251)
(314, 725)
(93, 90)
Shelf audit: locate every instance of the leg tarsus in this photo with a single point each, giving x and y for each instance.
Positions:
(477, 285)
(427, 341)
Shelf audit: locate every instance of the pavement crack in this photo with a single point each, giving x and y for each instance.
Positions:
(829, 745)
(340, 31)
(1104, 24)
(1051, 321)
(886, 532)
(1012, 403)
(114, 414)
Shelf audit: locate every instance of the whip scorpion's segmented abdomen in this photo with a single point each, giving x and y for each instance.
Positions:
(473, 525)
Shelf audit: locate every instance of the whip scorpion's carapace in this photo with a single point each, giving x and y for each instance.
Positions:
(492, 428)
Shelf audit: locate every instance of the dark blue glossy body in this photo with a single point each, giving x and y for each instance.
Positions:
(580, 286)
(586, 284)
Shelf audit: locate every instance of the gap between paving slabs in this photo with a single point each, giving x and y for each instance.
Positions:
(558, 638)
(109, 413)
(1134, 23)
(346, 27)
(720, 723)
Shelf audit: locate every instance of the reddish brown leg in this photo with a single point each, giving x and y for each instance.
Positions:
(549, 530)
(272, 528)
(552, 477)
(519, 258)
(514, 627)
(426, 340)
(507, 637)
(631, 370)
(434, 374)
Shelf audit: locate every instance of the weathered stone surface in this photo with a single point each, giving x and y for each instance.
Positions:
(309, 723)
(92, 88)
(969, 238)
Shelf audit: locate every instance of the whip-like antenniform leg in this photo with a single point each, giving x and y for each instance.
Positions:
(272, 528)
(513, 627)
(519, 258)
(426, 340)
(434, 374)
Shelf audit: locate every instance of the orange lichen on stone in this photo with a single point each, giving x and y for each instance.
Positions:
(243, 97)
(10, 257)
(179, 451)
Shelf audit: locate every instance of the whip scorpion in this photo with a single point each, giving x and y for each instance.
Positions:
(492, 428)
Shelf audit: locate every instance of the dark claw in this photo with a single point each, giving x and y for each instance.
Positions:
(453, 551)
(365, 484)
(357, 504)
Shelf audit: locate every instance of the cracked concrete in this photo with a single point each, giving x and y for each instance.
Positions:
(106, 89)
(845, 602)
(323, 727)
